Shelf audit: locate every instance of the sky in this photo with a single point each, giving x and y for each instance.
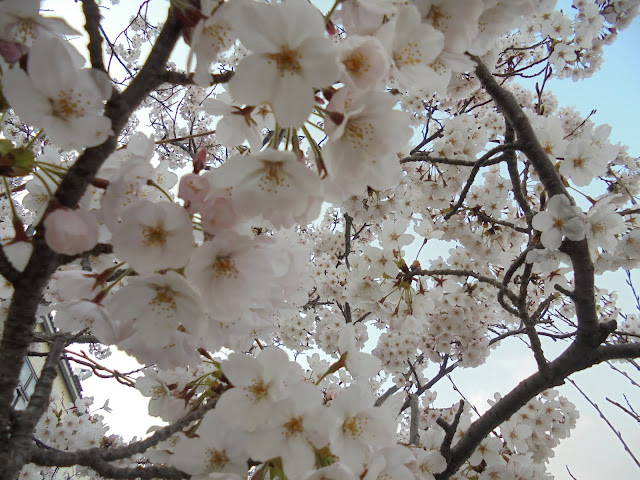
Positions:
(592, 452)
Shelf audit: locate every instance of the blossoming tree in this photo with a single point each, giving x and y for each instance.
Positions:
(263, 205)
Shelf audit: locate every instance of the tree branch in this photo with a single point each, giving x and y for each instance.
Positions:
(92, 26)
(450, 431)
(469, 273)
(23, 426)
(51, 457)
(481, 162)
(7, 270)
(85, 457)
(180, 78)
(584, 279)
(606, 420)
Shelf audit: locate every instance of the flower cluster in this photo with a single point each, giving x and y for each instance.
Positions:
(280, 203)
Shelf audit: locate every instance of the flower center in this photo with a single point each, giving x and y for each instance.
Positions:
(26, 30)
(272, 178)
(225, 267)
(258, 390)
(217, 459)
(409, 55)
(286, 60)
(218, 36)
(164, 299)
(356, 64)
(66, 106)
(158, 392)
(293, 427)
(154, 236)
(352, 426)
(558, 223)
(436, 17)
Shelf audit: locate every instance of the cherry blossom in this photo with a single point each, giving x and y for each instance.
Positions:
(20, 22)
(156, 306)
(154, 236)
(559, 220)
(211, 36)
(64, 99)
(300, 246)
(290, 57)
(273, 185)
(361, 149)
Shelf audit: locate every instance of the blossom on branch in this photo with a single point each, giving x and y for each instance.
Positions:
(60, 96)
(561, 219)
(289, 57)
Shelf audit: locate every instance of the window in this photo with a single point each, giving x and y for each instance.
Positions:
(27, 385)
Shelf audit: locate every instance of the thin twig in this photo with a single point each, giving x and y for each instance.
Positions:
(613, 429)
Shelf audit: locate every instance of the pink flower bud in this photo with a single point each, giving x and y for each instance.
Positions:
(193, 190)
(70, 232)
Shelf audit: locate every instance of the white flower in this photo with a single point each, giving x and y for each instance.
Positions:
(362, 366)
(216, 452)
(233, 273)
(289, 57)
(362, 150)
(582, 162)
(560, 219)
(161, 402)
(363, 427)
(212, 36)
(125, 189)
(413, 47)
(363, 62)
(428, 463)
(58, 96)
(603, 224)
(156, 306)
(154, 236)
(364, 17)
(259, 382)
(335, 471)
(76, 315)
(274, 185)
(236, 125)
(390, 464)
(291, 430)
(21, 23)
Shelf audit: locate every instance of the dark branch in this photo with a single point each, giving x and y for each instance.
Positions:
(179, 78)
(92, 26)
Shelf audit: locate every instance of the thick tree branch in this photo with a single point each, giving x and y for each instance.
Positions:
(529, 324)
(23, 426)
(578, 356)
(584, 279)
(486, 218)
(516, 186)
(92, 26)
(7, 270)
(414, 426)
